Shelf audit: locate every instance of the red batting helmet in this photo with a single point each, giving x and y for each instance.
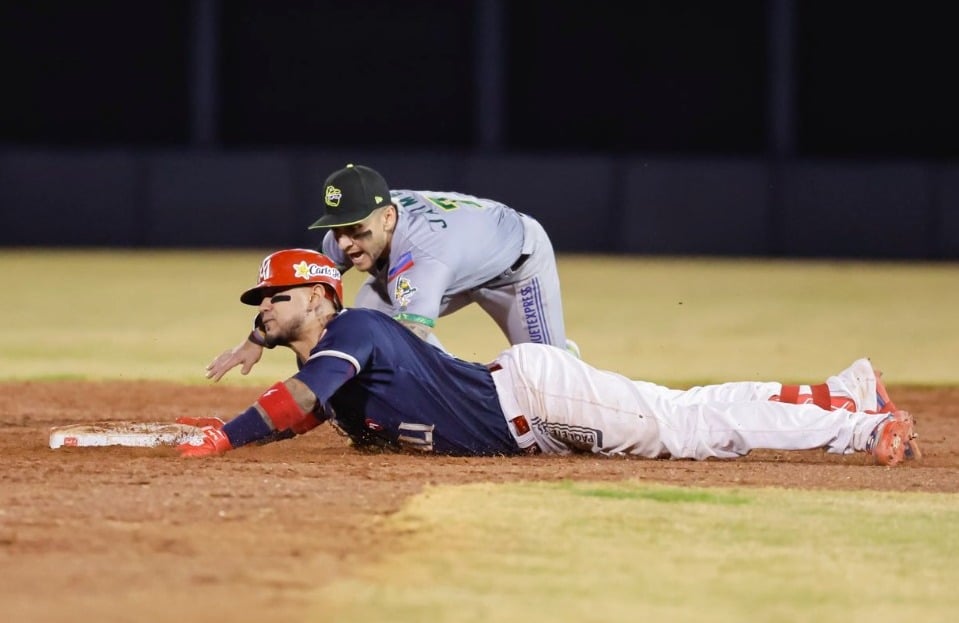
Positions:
(290, 268)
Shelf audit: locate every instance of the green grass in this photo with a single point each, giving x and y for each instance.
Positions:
(125, 314)
(166, 314)
(632, 551)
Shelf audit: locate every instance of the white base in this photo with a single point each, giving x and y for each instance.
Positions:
(135, 434)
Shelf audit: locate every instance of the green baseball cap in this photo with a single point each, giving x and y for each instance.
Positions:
(350, 195)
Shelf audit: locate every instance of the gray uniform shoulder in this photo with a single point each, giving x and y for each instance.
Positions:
(476, 238)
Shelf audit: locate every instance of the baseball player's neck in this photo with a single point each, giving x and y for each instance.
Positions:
(312, 332)
(389, 226)
(383, 257)
(383, 260)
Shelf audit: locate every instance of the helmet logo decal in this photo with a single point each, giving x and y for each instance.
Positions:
(333, 196)
(266, 270)
(292, 268)
(305, 271)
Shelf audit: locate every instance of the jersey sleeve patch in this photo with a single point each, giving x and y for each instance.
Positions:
(402, 265)
(403, 292)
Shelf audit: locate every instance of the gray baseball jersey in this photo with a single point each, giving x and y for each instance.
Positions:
(451, 249)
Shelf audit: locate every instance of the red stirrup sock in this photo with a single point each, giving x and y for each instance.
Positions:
(815, 394)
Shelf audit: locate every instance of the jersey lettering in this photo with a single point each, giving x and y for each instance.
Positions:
(578, 437)
(411, 205)
(532, 315)
(446, 203)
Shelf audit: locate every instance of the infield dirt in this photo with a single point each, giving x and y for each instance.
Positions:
(134, 534)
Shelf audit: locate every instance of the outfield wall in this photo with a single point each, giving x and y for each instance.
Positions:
(637, 205)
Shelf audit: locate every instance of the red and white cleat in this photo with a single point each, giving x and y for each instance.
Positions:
(892, 437)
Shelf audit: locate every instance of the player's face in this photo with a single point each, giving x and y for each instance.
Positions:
(365, 242)
(283, 315)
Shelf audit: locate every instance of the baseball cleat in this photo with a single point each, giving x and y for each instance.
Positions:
(885, 405)
(891, 438)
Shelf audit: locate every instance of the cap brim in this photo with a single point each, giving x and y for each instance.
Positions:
(344, 220)
(329, 220)
(254, 296)
(251, 297)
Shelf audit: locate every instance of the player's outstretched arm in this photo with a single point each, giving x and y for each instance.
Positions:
(245, 354)
(284, 410)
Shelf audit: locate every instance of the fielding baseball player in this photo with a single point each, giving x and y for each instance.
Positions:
(429, 254)
(385, 387)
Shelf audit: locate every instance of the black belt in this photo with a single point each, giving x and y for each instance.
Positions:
(519, 262)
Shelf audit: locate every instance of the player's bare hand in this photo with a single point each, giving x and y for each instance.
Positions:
(245, 354)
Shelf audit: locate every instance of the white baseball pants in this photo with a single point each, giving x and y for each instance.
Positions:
(572, 406)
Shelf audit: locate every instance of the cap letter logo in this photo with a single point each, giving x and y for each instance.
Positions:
(333, 196)
(266, 270)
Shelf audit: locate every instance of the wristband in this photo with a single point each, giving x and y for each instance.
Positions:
(279, 405)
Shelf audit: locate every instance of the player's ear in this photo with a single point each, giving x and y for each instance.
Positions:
(389, 218)
(324, 291)
(318, 291)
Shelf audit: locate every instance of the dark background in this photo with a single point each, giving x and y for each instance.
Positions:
(774, 128)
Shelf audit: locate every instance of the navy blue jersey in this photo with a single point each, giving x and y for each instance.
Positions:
(383, 385)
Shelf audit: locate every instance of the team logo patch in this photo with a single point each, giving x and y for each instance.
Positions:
(333, 196)
(305, 271)
(404, 292)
